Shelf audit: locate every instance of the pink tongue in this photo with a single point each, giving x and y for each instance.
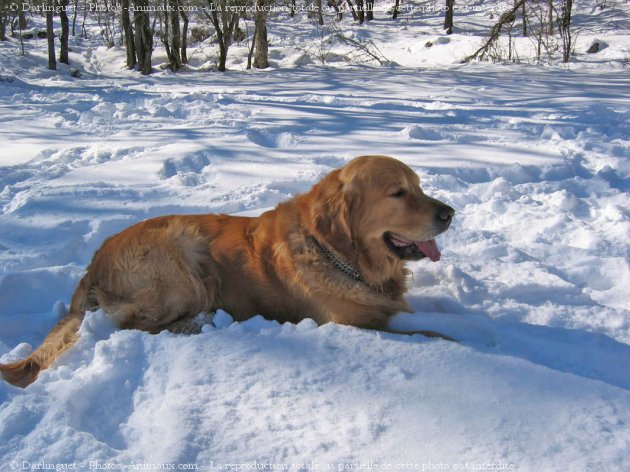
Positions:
(429, 248)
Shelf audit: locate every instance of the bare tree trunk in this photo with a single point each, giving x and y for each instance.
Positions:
(223, 48)
(176, 31)
(22, 23)
(130, 46)
(250, 53)
(4, 21)
(3, 24)
(396, 9)
(224, 31)
(261, 58)
(75, 5)
(361, 11)
(184, 50)
(83, 29)
(550, 19)
(524, 12)
(50, 36)
(143, 37)
(352, 10)
(567, 12)
(172, 35)
(369, 10)
(335, 6)
(320, 16)
(448, 16)
(564, 25)
(65, 32)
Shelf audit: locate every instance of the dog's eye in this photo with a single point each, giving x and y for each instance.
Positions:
(399, 194)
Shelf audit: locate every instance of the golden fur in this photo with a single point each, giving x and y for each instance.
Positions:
(160, 273)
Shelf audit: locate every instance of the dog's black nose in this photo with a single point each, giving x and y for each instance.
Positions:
(445, 214)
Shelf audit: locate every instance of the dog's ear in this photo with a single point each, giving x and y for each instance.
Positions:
(331, 211)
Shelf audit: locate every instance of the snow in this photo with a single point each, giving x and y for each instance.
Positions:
(533, 279)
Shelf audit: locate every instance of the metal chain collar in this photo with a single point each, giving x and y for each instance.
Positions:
(342, 266)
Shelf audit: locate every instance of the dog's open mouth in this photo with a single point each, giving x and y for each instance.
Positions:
(407, 249)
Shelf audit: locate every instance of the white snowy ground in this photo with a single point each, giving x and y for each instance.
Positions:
(533, 280)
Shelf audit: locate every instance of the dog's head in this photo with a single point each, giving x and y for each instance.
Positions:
(374, 213)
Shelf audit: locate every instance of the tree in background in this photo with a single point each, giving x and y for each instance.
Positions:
(224, 21)
(261, 58)
(396, 10)
(65, 32)
(4, 19)
(564, 27)
(171, 34)
(143, 36)
(184, 46)
(369, 10)
(365, 10)
(50, 35)
(361, 11)
(536, 19)
(539, 14)
(448, 16)
(546, 22)
(127, 29)
(353, 10)
(495, 32)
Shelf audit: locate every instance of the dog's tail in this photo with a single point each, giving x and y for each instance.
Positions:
(62, 337)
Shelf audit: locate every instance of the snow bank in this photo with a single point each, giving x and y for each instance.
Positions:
(288, 395)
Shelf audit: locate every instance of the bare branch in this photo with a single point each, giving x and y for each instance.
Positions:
(507, 17)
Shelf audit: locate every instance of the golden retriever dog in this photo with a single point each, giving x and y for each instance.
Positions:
(335, 254)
